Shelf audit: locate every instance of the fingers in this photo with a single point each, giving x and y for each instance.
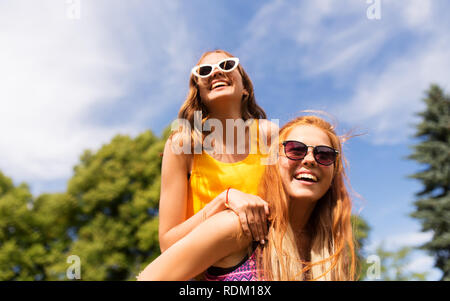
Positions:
(261, 228)
(263, 211)
(252, 223)
(244, 224)
(257, 221)
(253, 213)
(266, 208)
(263, 217)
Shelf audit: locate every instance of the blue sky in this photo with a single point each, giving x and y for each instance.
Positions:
(71, 82)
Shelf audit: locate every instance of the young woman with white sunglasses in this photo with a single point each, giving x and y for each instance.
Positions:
(195, 186)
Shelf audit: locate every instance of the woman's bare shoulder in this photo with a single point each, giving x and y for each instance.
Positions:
(174, 149)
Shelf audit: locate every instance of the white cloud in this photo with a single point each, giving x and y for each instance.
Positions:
(418, 261)
(386, 98)
(336, 40)
(385, 102)
(399, 240)
(420, 264)
(413, 239)
(55, 71)
(318, 47)
(416, 12)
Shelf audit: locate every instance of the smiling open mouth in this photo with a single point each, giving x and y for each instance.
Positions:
(219, 84)
(306, 177)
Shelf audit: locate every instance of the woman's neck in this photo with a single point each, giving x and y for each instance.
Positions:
(299, 214)
(230, 128)
(225, 108)
(224, 115)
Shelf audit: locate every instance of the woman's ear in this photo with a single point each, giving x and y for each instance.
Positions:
(245, 92)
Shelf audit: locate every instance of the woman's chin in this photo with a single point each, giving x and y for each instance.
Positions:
(304, 193)
(218, 97)
(222, 93)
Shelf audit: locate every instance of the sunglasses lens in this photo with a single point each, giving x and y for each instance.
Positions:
(324, 155)
(227, 65)
(204, 70)
(295, 150)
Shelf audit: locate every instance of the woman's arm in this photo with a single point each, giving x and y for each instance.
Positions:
(219, 236)
(173, 199)
(252, 210)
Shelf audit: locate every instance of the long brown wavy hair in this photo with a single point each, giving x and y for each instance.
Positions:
(331, 251)
(193, 102)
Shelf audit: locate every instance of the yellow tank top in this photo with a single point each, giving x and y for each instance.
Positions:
(209, 177)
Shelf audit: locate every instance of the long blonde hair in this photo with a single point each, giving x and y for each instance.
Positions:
(193, 102)
(332, 248)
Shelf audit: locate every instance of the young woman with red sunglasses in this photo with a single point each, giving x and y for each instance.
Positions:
(310, 235)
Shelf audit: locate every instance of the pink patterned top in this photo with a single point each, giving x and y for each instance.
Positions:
(244, 271)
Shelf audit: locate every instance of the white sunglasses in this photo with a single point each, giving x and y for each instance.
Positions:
(225, 65)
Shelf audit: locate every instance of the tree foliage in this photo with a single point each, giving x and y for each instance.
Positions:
(433, 151)
(361, 231)
(117, 195)
(107, 216)
(32, 231)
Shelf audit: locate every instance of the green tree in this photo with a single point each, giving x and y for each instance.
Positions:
(361, 231)
(32, 232)
(16, 258)
(115, 226)
(433, 150)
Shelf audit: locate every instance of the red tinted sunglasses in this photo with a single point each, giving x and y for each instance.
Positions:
(296, 150)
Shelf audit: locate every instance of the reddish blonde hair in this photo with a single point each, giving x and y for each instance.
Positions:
(332, 247)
